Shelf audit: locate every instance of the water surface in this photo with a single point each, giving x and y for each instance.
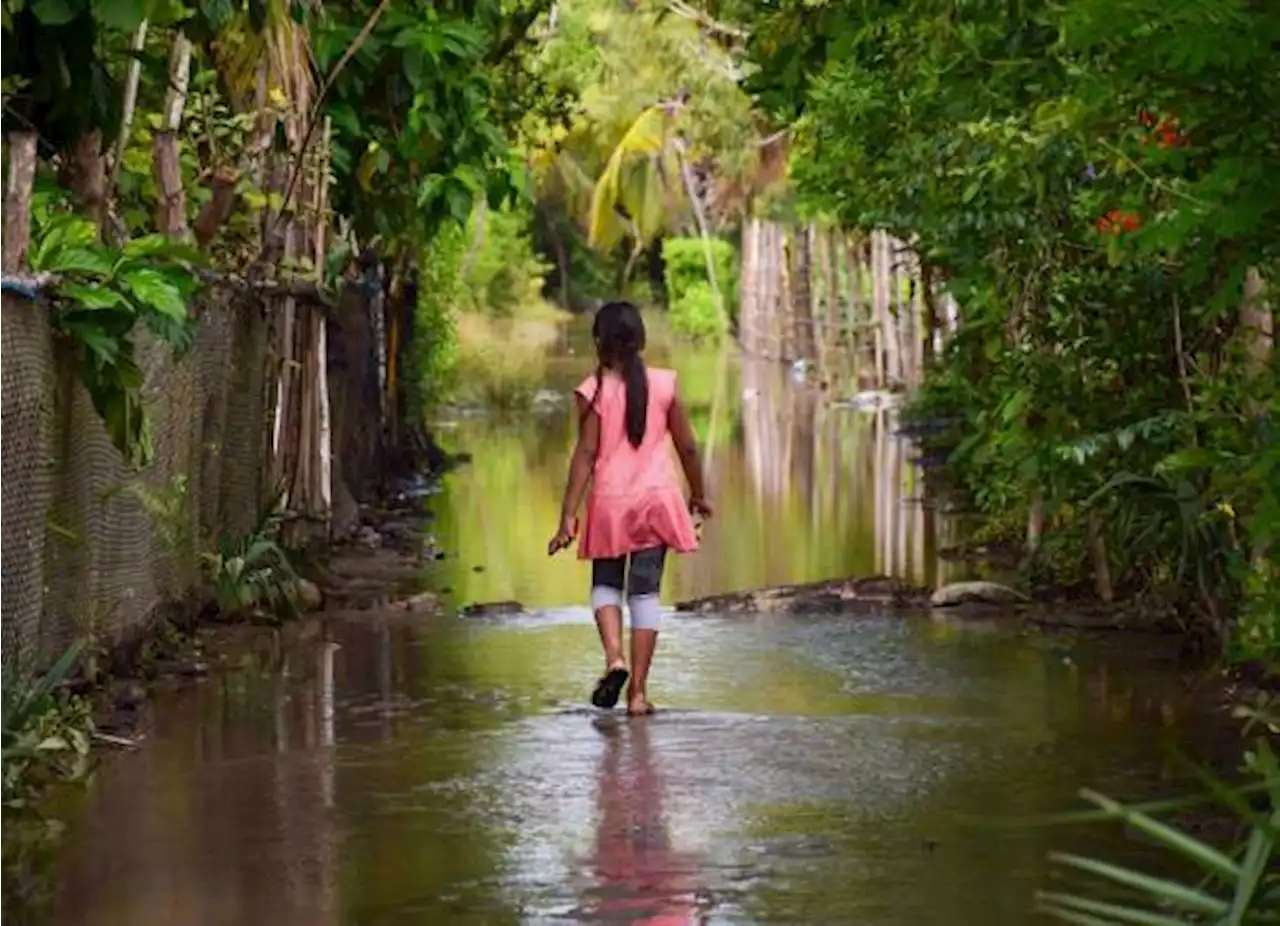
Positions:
(804, 770)
(380, 770)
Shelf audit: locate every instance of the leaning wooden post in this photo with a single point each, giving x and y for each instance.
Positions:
(17, 199)
(171, 207)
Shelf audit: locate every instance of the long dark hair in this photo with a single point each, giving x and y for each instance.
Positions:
(619, 334)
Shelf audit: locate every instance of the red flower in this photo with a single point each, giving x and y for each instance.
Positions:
(1118, 221)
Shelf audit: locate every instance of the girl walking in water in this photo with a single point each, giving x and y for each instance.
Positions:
(635, 510)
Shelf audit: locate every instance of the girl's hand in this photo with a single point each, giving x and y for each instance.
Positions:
(564, 536)
(700, 507)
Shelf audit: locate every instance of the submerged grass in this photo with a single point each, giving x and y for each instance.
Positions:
(502, 362)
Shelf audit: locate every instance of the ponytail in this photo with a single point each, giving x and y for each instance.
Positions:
(637, 384)
(618, 331)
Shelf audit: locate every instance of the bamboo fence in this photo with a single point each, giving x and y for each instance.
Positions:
(856, 306)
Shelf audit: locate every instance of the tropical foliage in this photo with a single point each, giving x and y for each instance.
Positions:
(46, 731)
(1107, 228)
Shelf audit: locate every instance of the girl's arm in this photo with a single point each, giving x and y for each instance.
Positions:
(584, 458)
(690, 462)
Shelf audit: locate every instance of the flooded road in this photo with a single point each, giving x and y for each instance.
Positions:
(804, 771)
(378, 770)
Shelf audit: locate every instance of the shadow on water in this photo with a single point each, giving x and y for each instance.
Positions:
(381, 770)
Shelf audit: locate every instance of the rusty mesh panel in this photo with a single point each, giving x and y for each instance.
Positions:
(91, 547)
(27, 434)
(127, 542)
(98, 563)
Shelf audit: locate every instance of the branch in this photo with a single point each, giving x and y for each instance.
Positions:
(314, 120)
(685, 11)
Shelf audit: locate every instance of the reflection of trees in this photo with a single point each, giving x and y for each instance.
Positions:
(225, 817)
(847, 469)
(803, 490)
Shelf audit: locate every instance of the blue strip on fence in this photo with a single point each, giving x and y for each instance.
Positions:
(27, 287)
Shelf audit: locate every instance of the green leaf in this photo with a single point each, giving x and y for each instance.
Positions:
(1169, 892)
(1189, 459)
(93, 262)
(157, 245)
(61, 232)
(124, 15)
(104, 347)
(1257, 858)
(154, 290)
(217, 13)
(92, 297)
(56, 12)
(1175, 840)
(1055, 904)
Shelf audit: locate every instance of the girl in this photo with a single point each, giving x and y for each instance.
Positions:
(635, 511)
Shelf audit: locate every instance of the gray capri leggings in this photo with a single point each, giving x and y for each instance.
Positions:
(609, 577)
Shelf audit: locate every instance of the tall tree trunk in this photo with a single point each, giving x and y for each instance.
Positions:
(880, 283)
(131, 80)
(699, 215)
(930, 301)
(88, 171)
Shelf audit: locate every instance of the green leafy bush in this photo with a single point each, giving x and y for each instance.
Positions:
(253, 575)
(435, 337)
(689, 294)
(46, 731)
(685, 262)
(694, 314)
(102, 294)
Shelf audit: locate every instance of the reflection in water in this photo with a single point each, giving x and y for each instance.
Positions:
(811, 770)
(803, 490)
(640, 878)
(225, 818)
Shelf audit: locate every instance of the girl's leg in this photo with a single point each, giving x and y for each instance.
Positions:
(607, 582)
(607, 578)
(643, 584)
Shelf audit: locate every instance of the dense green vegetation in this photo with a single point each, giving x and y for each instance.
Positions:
(1096, 185)
(167, 144)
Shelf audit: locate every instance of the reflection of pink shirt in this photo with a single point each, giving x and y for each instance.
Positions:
(635, 501)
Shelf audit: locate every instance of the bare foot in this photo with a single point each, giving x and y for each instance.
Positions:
(639, 706)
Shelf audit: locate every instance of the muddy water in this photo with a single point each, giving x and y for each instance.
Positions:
(376, 770)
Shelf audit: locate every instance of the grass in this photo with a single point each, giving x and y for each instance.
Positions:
(502, 362)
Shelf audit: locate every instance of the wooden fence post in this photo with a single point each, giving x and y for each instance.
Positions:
(17, 199)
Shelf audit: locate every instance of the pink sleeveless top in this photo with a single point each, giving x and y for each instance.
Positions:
(635, 500)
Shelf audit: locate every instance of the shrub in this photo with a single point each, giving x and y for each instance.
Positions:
(694, 314)
(501, 272)
(686, 271)
(46, 731)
